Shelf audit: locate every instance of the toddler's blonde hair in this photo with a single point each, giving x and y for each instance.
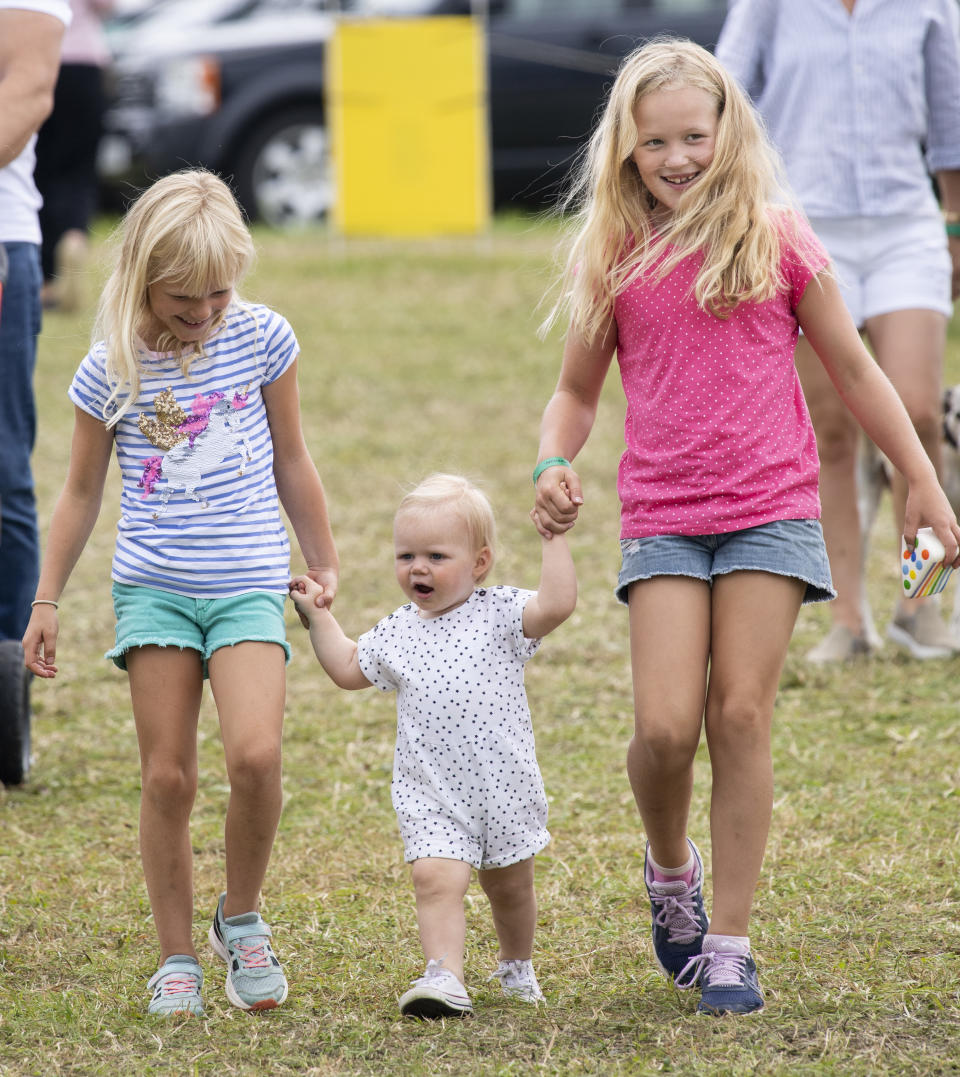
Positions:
(442, 491)
(186, 228)
(726, 214)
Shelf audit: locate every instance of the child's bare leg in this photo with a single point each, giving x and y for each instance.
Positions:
(440, 886)
(669, 648)
(753, 618)
(513, 903)
(248, 683)
(166, 685)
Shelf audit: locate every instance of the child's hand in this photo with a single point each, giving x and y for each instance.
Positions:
(927, 504)
(558, 501)
(309, 594)
(40, 641)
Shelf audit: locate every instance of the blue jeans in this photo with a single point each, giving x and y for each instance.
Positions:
(19, 543)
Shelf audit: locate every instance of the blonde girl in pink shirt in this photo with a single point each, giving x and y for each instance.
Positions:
(688, 264)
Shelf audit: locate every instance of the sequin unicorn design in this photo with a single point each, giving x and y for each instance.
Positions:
(193, 444)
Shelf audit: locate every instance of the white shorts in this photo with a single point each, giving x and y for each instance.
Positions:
(888, 263)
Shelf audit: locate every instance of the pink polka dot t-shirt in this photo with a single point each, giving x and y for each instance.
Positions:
(718, 437)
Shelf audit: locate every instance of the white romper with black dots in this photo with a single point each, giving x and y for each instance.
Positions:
(466, 784)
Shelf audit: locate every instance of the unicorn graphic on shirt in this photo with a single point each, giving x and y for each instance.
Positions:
(194, 443)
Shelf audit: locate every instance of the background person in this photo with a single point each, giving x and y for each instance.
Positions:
(66, 170)
(30, 36)
(862, 97)
(685, 265)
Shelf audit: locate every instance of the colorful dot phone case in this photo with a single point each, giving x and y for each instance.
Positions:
(922, 565)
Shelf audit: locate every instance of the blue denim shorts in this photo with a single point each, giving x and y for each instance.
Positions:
(784, 547)
(150, 617)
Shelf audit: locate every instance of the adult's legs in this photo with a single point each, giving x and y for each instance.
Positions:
(753, 616)
(670, 628)
(249, 686)
(19, 542)
(910, 346)
(838, 436)
(440, 886)
(513, 903)
(166, 685)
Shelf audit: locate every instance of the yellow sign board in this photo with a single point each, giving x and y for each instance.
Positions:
(408, 119)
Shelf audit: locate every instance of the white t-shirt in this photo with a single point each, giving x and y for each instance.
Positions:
(200, 513)
(466, 784)
(19, 198)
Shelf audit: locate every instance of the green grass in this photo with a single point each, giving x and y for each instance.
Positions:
(415, 357)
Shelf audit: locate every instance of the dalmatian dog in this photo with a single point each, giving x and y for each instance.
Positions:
(873, 477)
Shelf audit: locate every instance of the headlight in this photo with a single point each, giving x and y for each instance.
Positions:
(189, 86)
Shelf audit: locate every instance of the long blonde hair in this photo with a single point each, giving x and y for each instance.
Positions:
(187, 228)
(725, 214)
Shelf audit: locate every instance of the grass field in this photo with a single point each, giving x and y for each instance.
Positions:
(417, 357)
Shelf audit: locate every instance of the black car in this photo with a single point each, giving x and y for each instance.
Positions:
(238, 86)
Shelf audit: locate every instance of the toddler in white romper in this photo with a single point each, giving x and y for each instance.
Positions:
(466, 788)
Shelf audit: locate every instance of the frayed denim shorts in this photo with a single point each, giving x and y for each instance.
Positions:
(150, 617)
(784, 547)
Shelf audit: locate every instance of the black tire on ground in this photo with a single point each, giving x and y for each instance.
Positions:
(14, 714)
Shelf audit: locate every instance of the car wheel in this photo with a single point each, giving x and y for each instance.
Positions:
(14, 714)
(284, 175)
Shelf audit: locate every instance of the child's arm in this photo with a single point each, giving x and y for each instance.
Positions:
(336, 653)
(299, 486)
(567, 421)
(74, 516)
(872, 399)
(556, 596)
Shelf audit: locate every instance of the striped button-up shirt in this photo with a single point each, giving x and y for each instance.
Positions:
(862, 106)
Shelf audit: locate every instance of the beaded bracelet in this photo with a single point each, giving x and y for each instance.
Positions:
(44, 602)
(953, 228)
(551, 461)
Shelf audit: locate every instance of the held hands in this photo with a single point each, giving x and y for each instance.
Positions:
(558, 500)
(314, 591)
(40, 641)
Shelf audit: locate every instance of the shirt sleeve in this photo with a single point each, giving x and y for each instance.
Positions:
(942, 74)
(279, 346)
(372, 658)
(509, 603)
(746, 31)
(89, 389)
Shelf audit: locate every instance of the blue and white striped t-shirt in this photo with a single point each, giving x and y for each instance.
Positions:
(200, 514)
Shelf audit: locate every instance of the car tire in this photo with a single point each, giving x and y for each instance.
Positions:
(283, 172)
(14, 714)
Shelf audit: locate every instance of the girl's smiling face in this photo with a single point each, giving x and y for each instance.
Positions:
(190, 318)
(676, 141)
(436, 565)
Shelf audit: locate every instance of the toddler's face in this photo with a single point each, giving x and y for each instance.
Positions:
(191, 318)
(436, 565)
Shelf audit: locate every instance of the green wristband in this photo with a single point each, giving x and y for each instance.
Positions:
(551, 461)
(953, 229)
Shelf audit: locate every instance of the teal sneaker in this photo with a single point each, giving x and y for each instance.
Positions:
(176, 987)
(255, 979)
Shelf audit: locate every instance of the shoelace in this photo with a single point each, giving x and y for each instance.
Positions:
(712, 969)
(513, 975)
(175, 985)
(253, 956)
(678, 915)
(433, 971)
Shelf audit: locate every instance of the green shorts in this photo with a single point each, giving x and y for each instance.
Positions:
(147, 617)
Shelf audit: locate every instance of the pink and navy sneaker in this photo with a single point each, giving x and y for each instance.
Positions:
(679, 917)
